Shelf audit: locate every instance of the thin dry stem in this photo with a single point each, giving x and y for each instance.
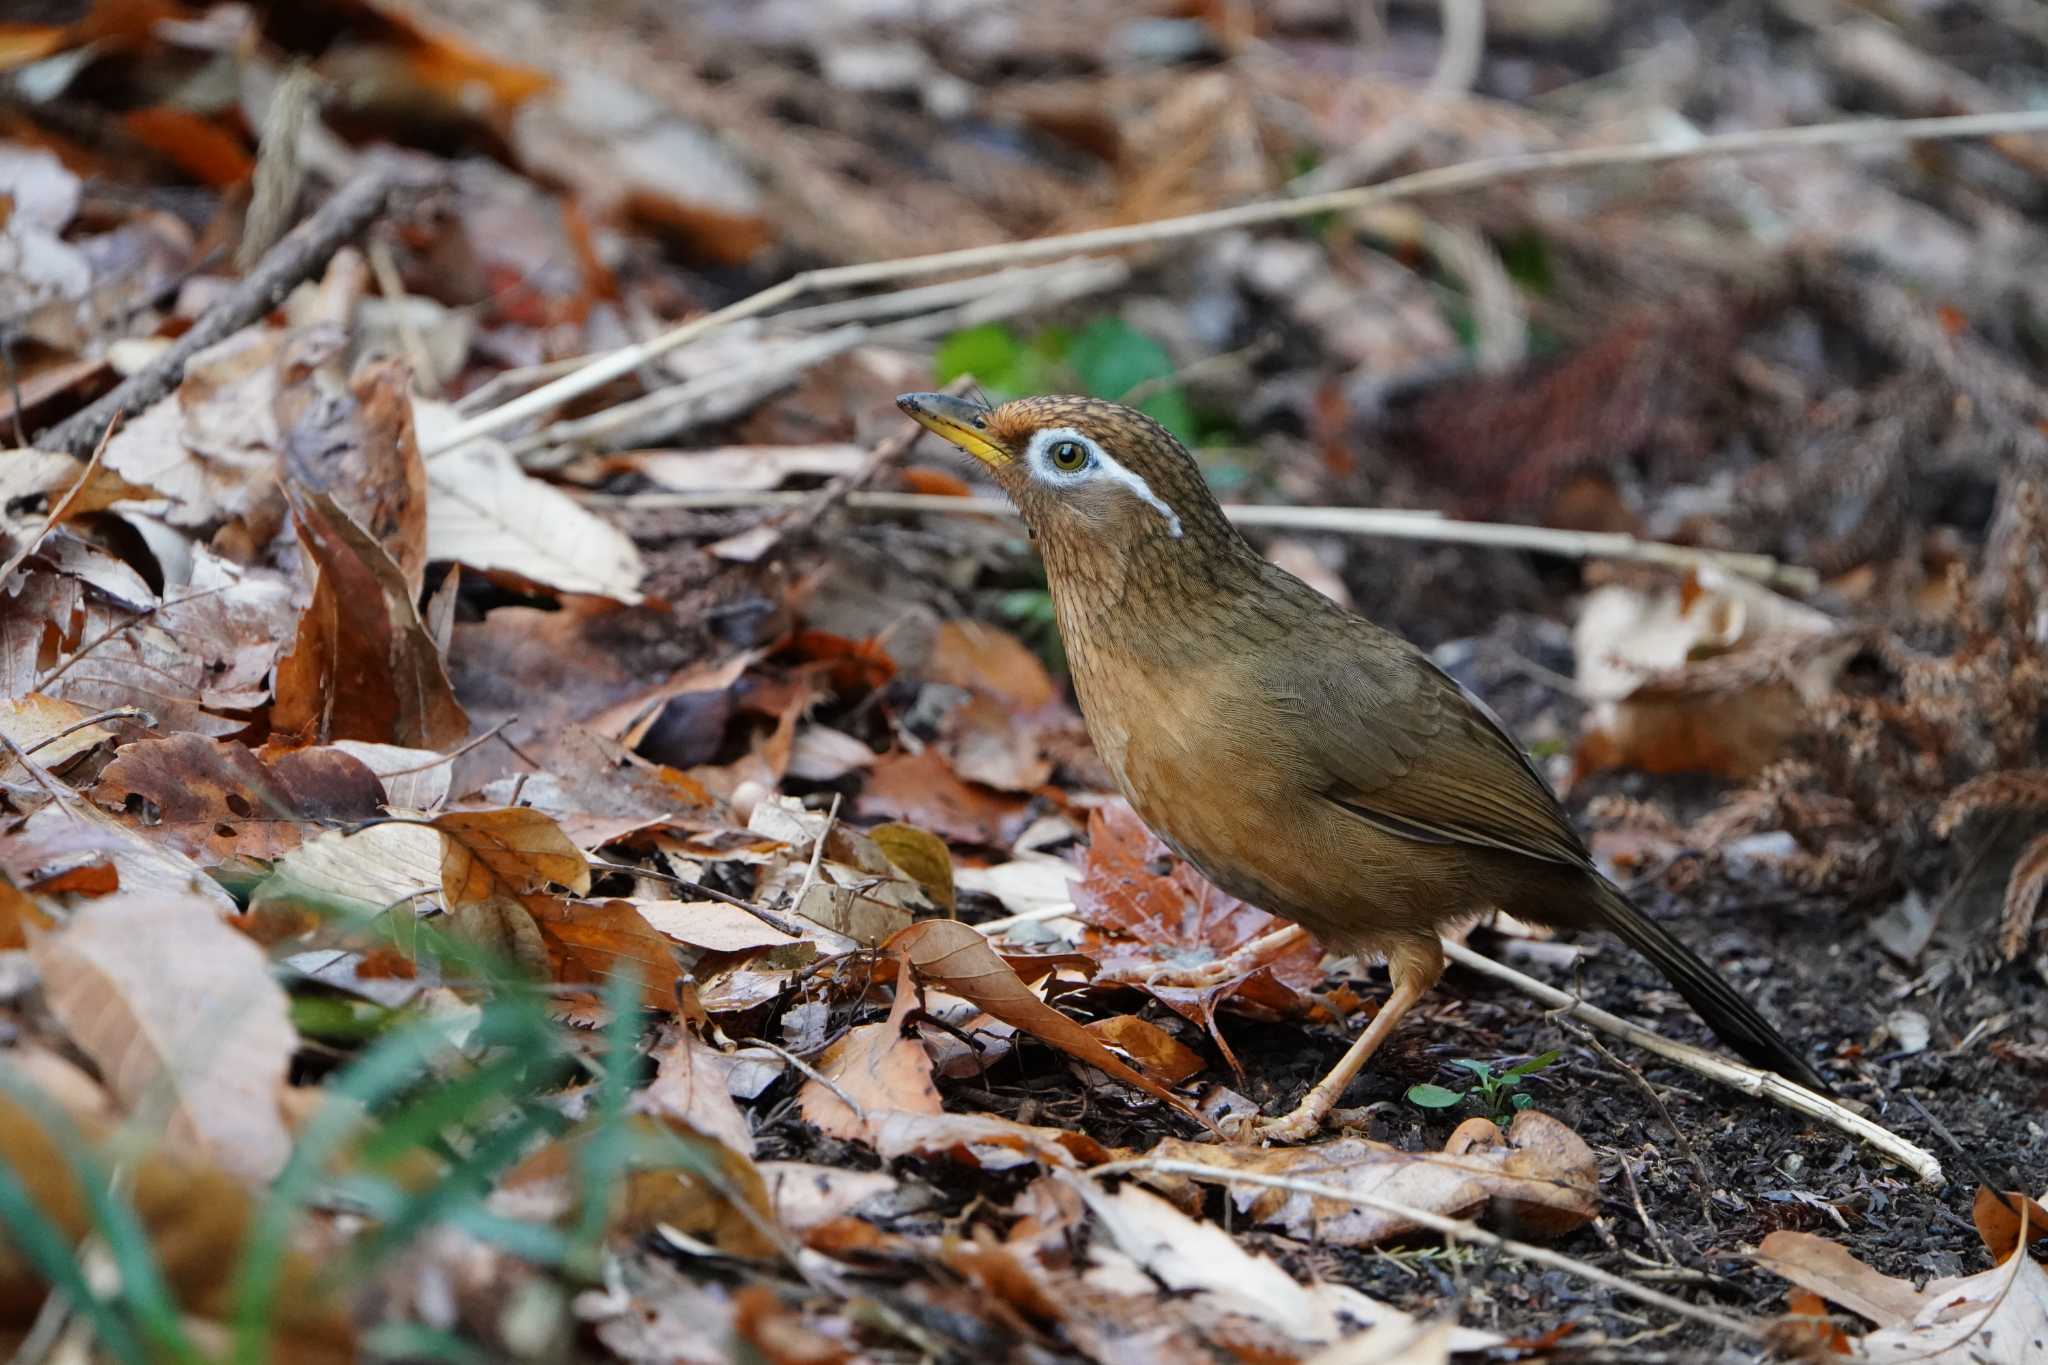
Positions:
(1747, 1079)
(1397, 523)
(1441, 180)
(1449, 1228)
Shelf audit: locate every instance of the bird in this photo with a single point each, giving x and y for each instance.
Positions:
(1301, 757)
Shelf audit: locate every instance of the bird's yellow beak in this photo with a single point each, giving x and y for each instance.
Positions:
(958, 420)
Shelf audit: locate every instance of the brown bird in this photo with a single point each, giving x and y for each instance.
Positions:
(1305, 759)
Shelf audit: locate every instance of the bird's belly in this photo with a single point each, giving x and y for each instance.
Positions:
(1261, 836)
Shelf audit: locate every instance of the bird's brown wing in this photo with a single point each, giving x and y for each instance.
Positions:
(1402, 744)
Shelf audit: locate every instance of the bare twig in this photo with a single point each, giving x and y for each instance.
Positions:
(63, 504)
(1441, 180)
(117, 713)
(305, 250)
(1747, 1079)
(1390, 522)
(1450, 1228)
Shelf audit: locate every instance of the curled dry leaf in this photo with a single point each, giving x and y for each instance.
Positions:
(1146, 1233)
(881, 1068)
(173, 1004)
(78, 849)
(957, 957)
(512, 850)
(681, 1178)
(362, 665)
(1711, 675)
(1150, 1046)
(486, 513)
(49, 727)
(922, 855)
(214, 800)
(588, 941)
(1539, 1179)
(1145, 920)
(920, 789)
(689, 1084)
(1995, 1317)
(983, 1140)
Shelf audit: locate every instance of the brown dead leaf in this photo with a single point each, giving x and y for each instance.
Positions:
(595, 941)
(689, 1084)
(957, 957)
(195, 1219)
(1995, 1317)
(984, 742)
(1143, 920)
(680, 1178)
(212, 447)
(920, 789)
(982, 1140)
(80, 850)
(362, 665)
(488, 514)
(881, 1068)
(175, 1006)
(807, 1195)
(1539, 1179)
(214, 800)
(1713, 675)
(354, 441)
(1150, 1046)
(921, 855)
(713, 926)
(990, 662)
(508, 851)
(50, 729)
(52, 477)
(1998, 1220)
(605, 791)
(199, 659)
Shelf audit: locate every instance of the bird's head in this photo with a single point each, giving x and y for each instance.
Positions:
(1089, 475)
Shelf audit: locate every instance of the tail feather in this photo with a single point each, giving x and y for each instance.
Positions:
(1733, 1019)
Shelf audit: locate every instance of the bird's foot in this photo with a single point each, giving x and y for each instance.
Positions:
(1299, 1126)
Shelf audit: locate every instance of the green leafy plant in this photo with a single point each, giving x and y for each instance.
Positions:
(1108, 358)
(1499, 1092)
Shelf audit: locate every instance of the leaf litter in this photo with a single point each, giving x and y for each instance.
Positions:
(777, 966)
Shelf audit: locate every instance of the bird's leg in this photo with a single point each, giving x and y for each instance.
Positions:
(1414, 968)
(1240, 961)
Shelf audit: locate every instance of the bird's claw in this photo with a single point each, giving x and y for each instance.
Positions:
(1253, 1130)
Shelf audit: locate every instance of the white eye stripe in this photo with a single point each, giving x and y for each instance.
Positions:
(1038, 454)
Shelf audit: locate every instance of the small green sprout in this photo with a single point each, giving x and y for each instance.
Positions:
(1498, 1091)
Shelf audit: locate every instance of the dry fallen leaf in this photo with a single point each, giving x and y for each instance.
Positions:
(689, 1084)
(957, 957)
(486, 513)
(510, 850)
(881, 1068)
(1995, 1317)
(362, 665)
(48, 727)
(213, 799)
(1538, 1179)
(983, 1140)
(921, 790)
(178, 1009)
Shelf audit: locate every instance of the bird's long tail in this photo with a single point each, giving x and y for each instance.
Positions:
(1733, 1019)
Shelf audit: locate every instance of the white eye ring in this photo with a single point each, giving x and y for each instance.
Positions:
(1049, 444)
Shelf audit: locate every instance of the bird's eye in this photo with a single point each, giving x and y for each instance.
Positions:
(1068, 456)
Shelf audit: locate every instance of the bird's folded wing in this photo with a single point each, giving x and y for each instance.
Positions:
(1411, 750)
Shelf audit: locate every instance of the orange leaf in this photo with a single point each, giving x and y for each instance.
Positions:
(957, 957)
(1151, 1046)
(196, 146)
(587, 941)
(1998, 1221)
(880, 1068)
(942, 483)
(991, 662)
(512, 851)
